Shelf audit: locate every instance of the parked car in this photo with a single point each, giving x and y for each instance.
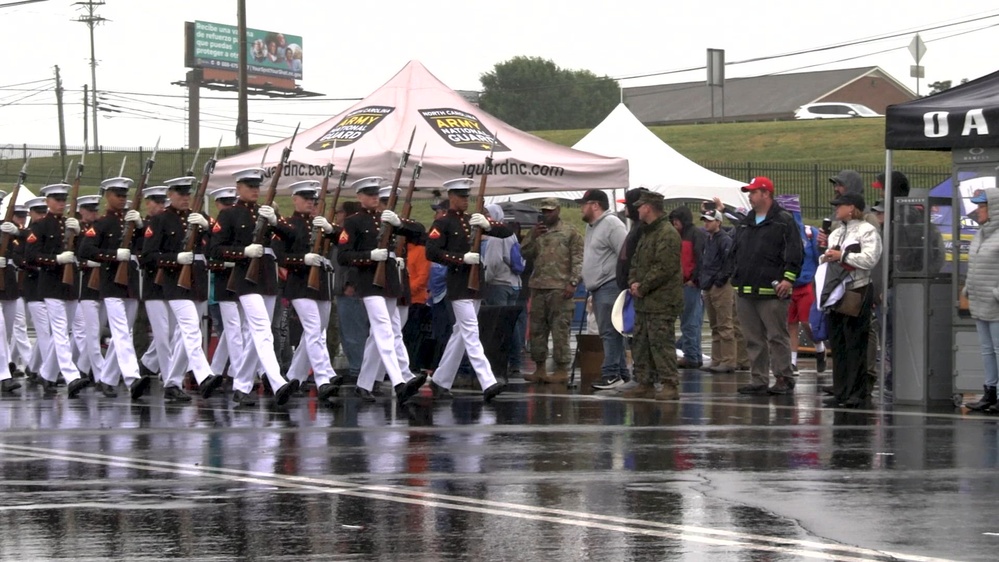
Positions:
(834, 110)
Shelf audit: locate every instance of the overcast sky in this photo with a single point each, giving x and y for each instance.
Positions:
(351, 48)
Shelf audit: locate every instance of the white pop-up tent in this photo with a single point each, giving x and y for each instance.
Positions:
(653, 164)
(458, 137)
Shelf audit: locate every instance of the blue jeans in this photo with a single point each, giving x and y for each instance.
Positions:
(691, 323)
(505, 295)
(615, 364)
(988, 335)
(354, 330)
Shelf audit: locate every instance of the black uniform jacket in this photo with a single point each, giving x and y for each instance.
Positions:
(165, 237)
(45, 241)
(359, 236)
(15, 249)
(231, 234)
(295, 247)
(449, 239)
(100, 244)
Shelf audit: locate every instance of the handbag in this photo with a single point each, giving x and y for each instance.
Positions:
(819, 322)
(849, 305)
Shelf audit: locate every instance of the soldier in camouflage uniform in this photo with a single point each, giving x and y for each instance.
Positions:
(556, 249)
(655, 281)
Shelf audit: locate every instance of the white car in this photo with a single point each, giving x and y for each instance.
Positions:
(834, 110)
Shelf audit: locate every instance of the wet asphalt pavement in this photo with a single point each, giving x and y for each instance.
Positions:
(539, 474)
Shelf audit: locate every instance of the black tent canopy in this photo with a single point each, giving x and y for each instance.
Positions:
(966, 116)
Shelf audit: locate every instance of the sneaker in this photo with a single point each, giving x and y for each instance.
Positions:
(721, 368)
(820, 361)
(608, 384)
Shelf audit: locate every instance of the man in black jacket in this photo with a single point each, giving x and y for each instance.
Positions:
(718, 293)
(766, 256)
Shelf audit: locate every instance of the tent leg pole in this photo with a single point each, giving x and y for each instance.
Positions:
(885, 277)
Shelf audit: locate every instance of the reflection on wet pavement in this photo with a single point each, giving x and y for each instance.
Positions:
(539, 474)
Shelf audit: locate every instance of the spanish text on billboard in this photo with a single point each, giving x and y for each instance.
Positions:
(269, 53)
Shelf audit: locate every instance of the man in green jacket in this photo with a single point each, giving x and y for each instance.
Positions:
(655, 281)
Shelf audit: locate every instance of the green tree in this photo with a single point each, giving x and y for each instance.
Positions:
(939, 86)
(533, 93)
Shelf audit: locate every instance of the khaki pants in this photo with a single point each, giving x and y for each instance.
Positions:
(764, 322)
(719, 304)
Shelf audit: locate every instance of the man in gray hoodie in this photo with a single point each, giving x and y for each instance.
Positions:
(605, 234)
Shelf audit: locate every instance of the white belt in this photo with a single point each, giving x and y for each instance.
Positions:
(269, 252)
(326, 262)
(200, 257)
(134, 258)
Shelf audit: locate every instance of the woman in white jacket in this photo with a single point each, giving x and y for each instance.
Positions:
(857, 247)
(982, 290)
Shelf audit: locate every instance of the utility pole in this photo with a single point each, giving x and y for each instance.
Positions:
(62, 122)
(242, 118)
(91, 18)
(85, 115)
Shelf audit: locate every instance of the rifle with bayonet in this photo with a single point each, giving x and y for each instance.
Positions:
(407, 203)
(121, 276)
(321, 245)
(260, 234)
(194, 163)
(194, 231)
(69, 270)
(9, 215)
(473, 274)
(385, 234)
(317, 233)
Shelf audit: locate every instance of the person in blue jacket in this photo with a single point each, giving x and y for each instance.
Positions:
(803, 292)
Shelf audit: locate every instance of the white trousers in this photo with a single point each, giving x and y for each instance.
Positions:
(257, 314)
(120, 360)
(163, 325)
(186, 353)
(372, 366)
(8, 309)
(383, 317)
(312, 351)
(232, 338)
(60, 352)
(87, 324)
(464, 339)
(20, 345)
(43, 341)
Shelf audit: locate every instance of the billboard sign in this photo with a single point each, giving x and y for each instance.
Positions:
(269, 53)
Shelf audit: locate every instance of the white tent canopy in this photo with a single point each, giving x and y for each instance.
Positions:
(458, 137)
(653, 164)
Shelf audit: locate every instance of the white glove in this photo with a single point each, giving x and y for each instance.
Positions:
(123, 254)
(132, 216)
(198, 220)
(390, 217)
(471, 258)
(92, 264)
(267, 212)
(254, 251)
(3, 262)
(229, 264)
(312, 260)
(400, 263)
(72, 224)
(480, 220)
(321, 222)
(9, 228)
(185, 258)
(65, 257)
(379, 254)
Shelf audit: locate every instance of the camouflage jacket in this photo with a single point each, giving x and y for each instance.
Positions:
(656, 268)
(557, 256)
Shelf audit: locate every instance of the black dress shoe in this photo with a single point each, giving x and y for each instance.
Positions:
(414, 385)
(284, 393)
(14, 371)
(330, 389)
(439, 392)
(107, 390)
(76, 386)
(243, 399)
(175, 394)
(364, 394)
(831, 402)
(755, 390)
(49, 388)
(493, 391)
(827, 390)
(854, 402)
(784, 385)
(9, 385)
(145, 371)
(209, 385)
(139, 387)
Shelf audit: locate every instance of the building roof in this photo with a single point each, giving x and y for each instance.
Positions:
(757, 97)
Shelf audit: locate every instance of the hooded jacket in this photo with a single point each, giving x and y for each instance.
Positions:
(692, 244)
(982, 285)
